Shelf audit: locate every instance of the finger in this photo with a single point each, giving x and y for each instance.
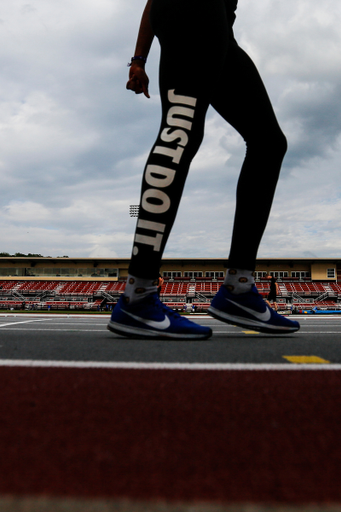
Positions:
(144, 87)
(146, 92)
(132, 81)
(138, 88)
(133, 85)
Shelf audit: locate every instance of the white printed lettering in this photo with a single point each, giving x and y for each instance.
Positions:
(182, 100)
(175, 134)
(176, 121)
(174, 154)
(154, 200)
(165, 179)
(153, 193)
(154, 241)
(152, 226)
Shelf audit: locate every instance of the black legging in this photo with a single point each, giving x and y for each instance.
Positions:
(201, 64)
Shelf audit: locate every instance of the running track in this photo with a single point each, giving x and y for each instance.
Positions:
(232, 420)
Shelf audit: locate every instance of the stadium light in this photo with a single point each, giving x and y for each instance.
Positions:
(134, 210)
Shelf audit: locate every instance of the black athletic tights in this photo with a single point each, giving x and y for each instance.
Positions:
(201, 65)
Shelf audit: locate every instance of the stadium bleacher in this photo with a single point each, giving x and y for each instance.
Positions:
(94, 295)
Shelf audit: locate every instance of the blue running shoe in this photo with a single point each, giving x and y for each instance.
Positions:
(251, 311)
(150, 318)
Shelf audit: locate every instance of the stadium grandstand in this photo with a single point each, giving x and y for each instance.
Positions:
(38, 283)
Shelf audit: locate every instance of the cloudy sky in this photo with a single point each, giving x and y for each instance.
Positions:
(73, 141)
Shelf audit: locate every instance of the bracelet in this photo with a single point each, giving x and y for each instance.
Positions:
(137, 57)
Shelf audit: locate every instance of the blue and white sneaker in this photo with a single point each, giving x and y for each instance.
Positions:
(150, 318)
(251, 311)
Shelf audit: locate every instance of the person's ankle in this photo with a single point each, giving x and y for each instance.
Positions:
(138, 288)
(239, 281)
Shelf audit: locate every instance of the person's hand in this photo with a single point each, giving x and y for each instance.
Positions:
(138, 79)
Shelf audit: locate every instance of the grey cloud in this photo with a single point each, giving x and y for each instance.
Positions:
(73, 141)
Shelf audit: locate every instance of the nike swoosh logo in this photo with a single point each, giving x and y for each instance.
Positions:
(264, 317)
(162, 326)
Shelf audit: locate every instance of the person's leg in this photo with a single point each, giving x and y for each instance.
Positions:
(193, 48)
(244, 103)
(165, 174)
(250, 112)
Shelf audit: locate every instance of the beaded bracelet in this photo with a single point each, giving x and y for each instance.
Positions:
(137, 57)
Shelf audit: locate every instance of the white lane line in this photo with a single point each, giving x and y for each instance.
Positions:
(234, 333)
(70, 329)
(22, 322)
(166, 366)
(75, 329)
(56, 316)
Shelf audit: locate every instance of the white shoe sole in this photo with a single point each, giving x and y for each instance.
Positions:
(126, 330)
(245, 322)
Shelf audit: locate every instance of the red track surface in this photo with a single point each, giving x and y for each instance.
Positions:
(231, 436)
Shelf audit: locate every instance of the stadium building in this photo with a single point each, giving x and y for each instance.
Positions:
(87, 283)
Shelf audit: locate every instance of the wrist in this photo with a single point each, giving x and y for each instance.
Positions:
(138, 59)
